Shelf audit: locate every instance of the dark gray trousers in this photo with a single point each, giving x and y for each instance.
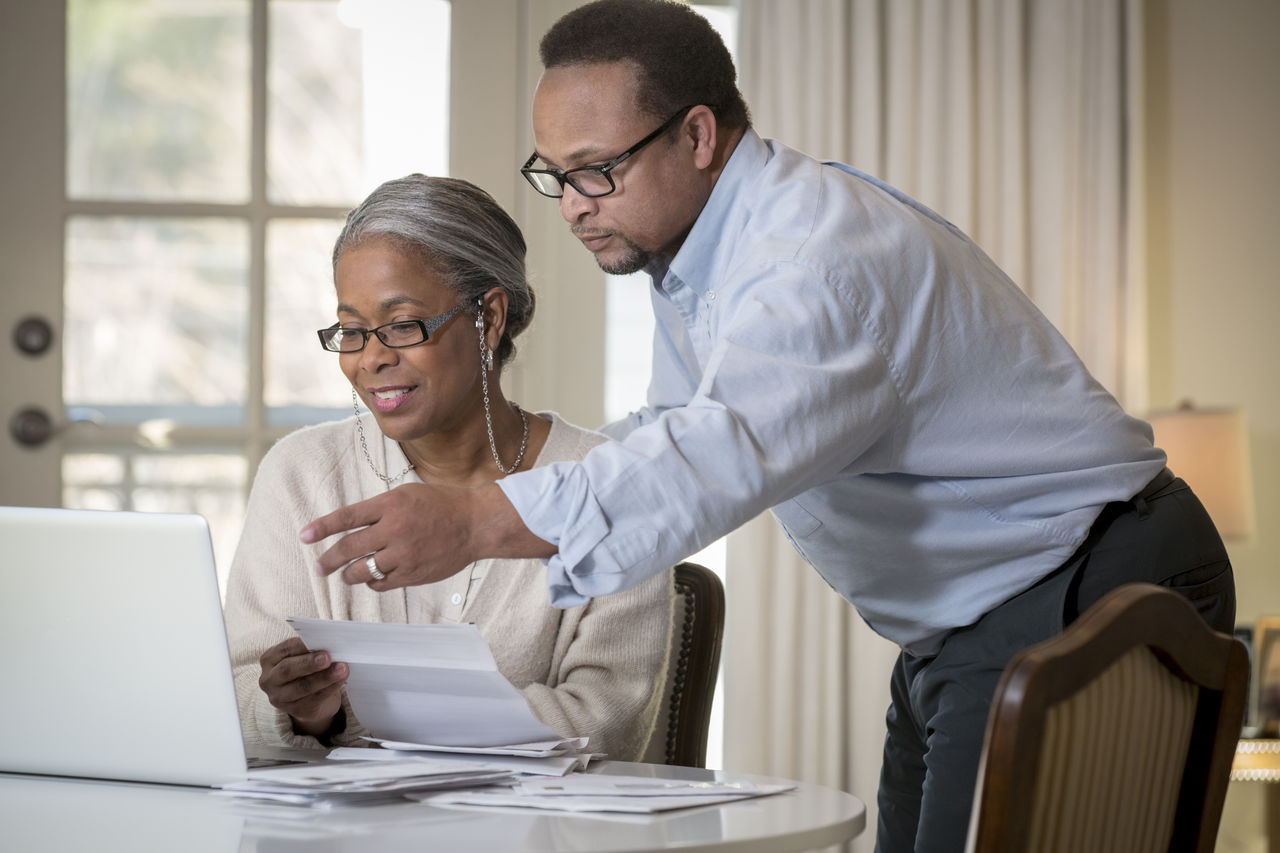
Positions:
(938, 715)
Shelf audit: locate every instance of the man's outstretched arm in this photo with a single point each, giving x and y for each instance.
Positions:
(420, 533)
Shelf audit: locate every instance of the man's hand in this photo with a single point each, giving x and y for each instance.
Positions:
(419, 533)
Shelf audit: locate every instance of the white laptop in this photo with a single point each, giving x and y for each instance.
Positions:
(113, 651)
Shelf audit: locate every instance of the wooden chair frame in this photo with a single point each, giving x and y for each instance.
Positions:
(697, 632)
(1048, 673)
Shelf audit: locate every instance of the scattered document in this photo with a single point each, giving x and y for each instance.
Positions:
(539, 749)
(324, 785)
(553, 765)
(591, 792)
(426, 684)
(599, 784)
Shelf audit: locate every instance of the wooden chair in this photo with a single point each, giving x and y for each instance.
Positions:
(697, 626)
(1116, 735)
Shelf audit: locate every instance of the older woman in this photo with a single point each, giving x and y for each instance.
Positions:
(431, 292)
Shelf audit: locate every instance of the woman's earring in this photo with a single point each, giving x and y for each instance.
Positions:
(486, 354)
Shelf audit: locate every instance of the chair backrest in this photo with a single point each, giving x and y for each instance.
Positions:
(697, 626)
(1116, 735)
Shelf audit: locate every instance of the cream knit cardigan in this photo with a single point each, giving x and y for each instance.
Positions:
(596, 670)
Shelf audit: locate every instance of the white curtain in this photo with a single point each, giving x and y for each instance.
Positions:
(1011, 119)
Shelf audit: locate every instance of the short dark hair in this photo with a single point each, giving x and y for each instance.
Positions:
(681, 59)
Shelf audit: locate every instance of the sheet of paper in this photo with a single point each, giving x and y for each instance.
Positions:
(610, 797)
(555, 765)
(332, 775)
(600, 784)
(329, 784)
(536, 749)
(426, 684)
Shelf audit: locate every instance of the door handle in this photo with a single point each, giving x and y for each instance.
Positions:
(32, 426)
(33, 336)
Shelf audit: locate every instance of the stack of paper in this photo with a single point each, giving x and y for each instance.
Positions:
(344, 783)
(589, 792)
(551, 765)
(426, 684)
(534, 749)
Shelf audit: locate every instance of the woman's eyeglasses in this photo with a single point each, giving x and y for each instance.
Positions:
(402, 333)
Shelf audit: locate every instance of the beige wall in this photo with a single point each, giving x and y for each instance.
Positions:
(1213, 135)
(1213, 131)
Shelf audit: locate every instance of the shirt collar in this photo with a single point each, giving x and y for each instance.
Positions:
(705, 246)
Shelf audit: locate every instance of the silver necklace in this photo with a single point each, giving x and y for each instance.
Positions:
(364, 445)
(485, 361)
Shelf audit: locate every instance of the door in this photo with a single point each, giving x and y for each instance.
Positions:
(174, 175)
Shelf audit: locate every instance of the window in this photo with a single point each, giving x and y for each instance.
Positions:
(213, 150)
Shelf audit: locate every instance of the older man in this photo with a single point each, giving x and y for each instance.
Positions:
(832, 350)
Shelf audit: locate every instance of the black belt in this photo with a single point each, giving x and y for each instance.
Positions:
(1138, 503)
(1158, 484)
(1110, 512)
(1164, 478)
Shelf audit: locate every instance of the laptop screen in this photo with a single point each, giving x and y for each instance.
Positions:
(113, 650)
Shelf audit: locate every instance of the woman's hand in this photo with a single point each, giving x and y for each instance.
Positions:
(305, 685)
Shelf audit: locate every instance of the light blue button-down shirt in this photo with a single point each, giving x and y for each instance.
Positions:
(829, 348)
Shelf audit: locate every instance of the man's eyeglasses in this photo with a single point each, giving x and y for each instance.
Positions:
(589, 181)
(403, 333)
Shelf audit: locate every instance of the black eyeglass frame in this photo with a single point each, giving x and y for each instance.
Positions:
(427, 327)
(563, 176)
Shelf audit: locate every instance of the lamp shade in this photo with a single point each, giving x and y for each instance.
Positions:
(1209, 448)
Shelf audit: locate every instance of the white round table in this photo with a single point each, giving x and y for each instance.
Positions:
(53, 814)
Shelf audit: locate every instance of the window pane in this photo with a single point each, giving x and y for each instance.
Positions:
(357, 94)
(156, 318)
(158, 100)
(303, 382)
(209, 484)
(93, 481)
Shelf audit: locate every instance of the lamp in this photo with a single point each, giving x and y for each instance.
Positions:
(1209, 448)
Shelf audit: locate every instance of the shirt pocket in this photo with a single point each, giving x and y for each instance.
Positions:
(795, 519)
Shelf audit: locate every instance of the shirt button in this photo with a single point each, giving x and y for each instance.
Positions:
(711, 296)
(456, 598)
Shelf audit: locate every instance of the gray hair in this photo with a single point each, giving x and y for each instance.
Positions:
(460, 231)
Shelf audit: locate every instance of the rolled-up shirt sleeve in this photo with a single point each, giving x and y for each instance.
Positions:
(770, 417)
(557, 505)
